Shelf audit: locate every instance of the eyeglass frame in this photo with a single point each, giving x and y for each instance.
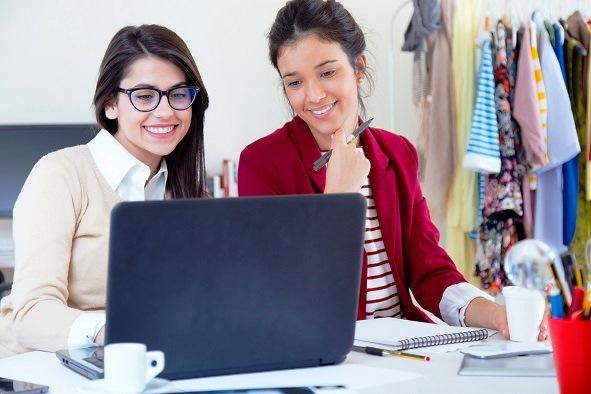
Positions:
(129, 92)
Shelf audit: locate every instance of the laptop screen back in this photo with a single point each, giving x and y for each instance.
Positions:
(236, 285)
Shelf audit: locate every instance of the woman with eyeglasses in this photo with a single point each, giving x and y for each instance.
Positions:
(150, 101)
(319, 51)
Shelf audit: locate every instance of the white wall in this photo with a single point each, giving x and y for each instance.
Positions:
(51, 52)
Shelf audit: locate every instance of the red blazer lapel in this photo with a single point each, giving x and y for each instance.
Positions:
(385, 195)
(382, 177)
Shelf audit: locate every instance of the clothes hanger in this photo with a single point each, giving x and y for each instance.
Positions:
(579, 48)
(484, 28)
(514, 20)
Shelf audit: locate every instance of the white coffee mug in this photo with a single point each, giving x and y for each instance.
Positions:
(129, 367)
(525, 311)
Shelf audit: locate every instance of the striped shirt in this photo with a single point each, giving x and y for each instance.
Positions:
(382, 295)
(483, 152)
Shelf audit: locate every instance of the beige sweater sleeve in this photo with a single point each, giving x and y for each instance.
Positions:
(45, 219)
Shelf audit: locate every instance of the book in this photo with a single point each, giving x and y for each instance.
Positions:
(401, 334)
(217, 191)
(230, 178)
(214, 186)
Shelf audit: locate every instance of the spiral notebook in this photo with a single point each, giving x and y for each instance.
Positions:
(416, 337)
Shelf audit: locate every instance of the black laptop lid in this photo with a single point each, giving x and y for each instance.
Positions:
(236, 285)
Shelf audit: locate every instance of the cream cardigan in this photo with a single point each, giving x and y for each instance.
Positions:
(61, 236)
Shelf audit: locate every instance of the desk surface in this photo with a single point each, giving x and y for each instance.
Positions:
(436, 376)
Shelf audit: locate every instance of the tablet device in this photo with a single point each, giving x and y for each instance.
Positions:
(87, 362)
(490, 349)
(10, 386)
(539, 365)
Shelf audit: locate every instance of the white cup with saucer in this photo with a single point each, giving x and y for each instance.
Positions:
(129, 368)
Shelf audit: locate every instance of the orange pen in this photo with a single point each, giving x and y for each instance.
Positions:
(587, 303)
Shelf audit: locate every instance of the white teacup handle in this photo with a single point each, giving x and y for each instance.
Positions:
(154, 364)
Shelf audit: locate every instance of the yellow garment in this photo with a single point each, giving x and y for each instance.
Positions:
(542, 101)
(461, 216)
(588, 145)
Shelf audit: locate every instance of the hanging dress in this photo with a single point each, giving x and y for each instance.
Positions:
(574, 60)
(503, 204)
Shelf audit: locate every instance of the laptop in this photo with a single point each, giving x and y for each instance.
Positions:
(235, 285)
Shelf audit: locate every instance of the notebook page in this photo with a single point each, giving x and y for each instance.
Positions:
(388, 331)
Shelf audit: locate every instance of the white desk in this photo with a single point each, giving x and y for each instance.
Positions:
(439, 375)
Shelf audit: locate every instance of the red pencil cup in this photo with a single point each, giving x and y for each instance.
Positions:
(571, 343)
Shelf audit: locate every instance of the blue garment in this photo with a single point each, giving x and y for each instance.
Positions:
(563, 145)
(570, 179)
(482, 153)
(570, 169)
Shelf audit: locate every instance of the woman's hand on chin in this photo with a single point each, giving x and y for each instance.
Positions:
(347, 168)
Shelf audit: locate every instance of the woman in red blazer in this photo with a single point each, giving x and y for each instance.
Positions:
(319, 51)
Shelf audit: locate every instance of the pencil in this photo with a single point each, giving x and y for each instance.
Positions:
(386, 352)
(563, 289)
(579, 276)
(398, 353)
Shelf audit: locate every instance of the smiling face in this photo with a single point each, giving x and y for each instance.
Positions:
(149, 136)
(321, 86)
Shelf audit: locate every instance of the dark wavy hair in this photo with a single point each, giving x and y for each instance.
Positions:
(329, 21)
(186, 163)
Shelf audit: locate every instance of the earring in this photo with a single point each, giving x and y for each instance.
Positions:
(110, 114)
(360, 80)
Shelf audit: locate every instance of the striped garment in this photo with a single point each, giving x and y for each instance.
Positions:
(482, 153)
(382, 294)
(541, 92)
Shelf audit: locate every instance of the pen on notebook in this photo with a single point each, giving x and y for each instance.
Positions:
(318, 164)
(386, 352)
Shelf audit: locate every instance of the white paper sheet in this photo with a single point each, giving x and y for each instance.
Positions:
(496, 349)
(351, 376)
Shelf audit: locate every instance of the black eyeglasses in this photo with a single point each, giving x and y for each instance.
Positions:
(148, 99)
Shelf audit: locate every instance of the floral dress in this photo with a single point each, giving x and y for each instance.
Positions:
(502, 207)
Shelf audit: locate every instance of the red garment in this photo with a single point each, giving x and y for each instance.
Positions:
(281, 163)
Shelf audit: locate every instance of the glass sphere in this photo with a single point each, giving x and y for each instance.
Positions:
(526, 264)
